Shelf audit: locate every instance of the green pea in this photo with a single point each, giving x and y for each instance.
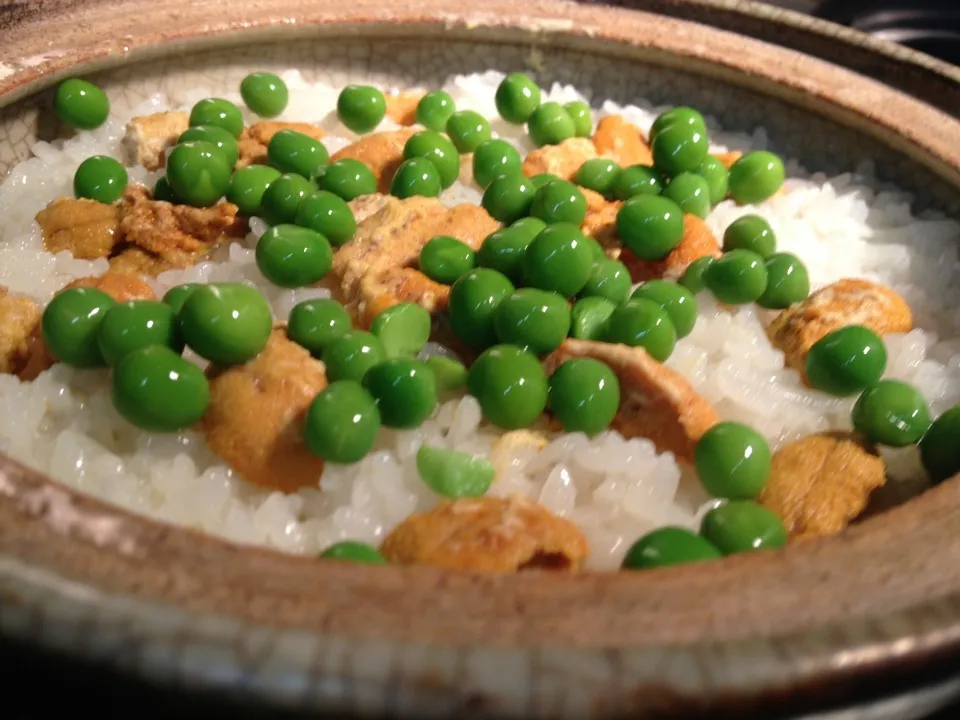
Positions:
(939, 448)
(282, 198)
(445, 259)
(846, 361)
(247, 186)
(542, 179)
(417, 176)
(650, 226)
(679, 148)
(668, 546)
(550, 124)
(596, 249)
(291, 256)
(559, 201)
(609, 279)
(733, 461)
(405, 391)
(176, 296)
(449, 374)
(494, 158)
(517, 97)
(219, 112)
(558, 259)
(787, 282)
(223, 139)
(81, 104)
(434, 109)
(750, 232)
(503, 249)
(137, 324)
(678, 302)
(314, 324)
(590, 318)
(530, 227)
(361, 108)
(354, 551)
(756, 177)
(738, 277)
(100, 178)
(683, 116)
(535, 320)
(264, 93)
(692, 278)
(290, 151)
(454, 474)
(691, 192)
(637, 180)
(342, 423)
(508, 198)
(327, 214)
(71, 323)
(582, 118)
(643, 323)
(473, 303)
(743, 526)
(348, 179)
(197, 173)
(584, 395)
(403, 329)
(438, 149)
(510, 385)
(599, 175)
(156, 390)
(226, 323)
(717, 177)
(468, 129)
(891, 413)
(163, 192)
(351, 355)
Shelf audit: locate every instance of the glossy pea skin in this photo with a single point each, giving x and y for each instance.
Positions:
(650, 226)
(291, 256)
(473, 303)
(494, 158)
(325, 213)
(314, 324)
(584, 395)
(219, 112)
(156, 390)
(468, 129)
(582, 117)
(668, 546)
(590, 318)
(448, 373)
(678, 302)
(100, 178)
(939, 449)
(163, 192)
(559, 260)
(454, 474)
(403, 329)
(642, 323)
(750, 232)
(223, 139)
(787, 282)
(137, 324)
(517, 97)
(176, 296)
(596, 249)
(891, 413)
(732, 461)
(445, 259)
(282, 198)
(510, 385)
(503, 249)
(846, 361)
(599, 175)
(247, 186)
(691, 192)
(405, 391)
(683, 116)
(535, 320)
(81, 104)
(434, 109)
(541, 179)
(354, 551)
(692, 278)
(736, 278)
(342, 423)
(226, 323)
(608, 279)
(290, 151)
(743, 526)
(756, 177)
(508, 198)
(351, 355)
(438, 149)
(361, 108)
(264, 93)
(559, 201)
(197, 173)
(717, 177)
(637, 180)
(348, 179)
(679, 148)
(70, 326)
(550, 124)
(417, 176)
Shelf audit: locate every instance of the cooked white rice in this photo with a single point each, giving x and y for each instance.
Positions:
(614, 489)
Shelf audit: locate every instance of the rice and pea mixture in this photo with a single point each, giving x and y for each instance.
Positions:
(638, 418)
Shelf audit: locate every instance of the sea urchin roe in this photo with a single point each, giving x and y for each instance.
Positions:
(667, 546)
(454, 474)
(342, 423)
(743, 526)
(87, 229)
(733, 461)
(891, 413)
(510, 385)
(19, 325)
